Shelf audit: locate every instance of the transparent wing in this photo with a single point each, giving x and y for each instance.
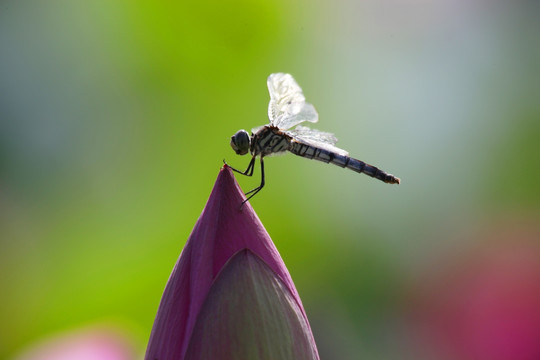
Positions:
(288, 106)
(316, 138)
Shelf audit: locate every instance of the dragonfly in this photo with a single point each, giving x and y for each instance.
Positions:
(287, 110)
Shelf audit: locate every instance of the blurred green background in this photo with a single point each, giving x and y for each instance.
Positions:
(115, 117)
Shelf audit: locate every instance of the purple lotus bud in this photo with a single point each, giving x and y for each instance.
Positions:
(230, 295)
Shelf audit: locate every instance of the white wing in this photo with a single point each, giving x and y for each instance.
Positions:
(317, 138)
(288, 106)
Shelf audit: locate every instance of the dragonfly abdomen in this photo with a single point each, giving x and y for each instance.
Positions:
(370, 170)
(312, 152)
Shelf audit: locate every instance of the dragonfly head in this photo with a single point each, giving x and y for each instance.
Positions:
(240, 142)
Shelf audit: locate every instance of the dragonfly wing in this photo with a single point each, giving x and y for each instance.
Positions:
(316, 138)
(288, 106)
(306, 113)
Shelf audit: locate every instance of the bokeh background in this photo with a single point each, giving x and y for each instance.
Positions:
(115, 117)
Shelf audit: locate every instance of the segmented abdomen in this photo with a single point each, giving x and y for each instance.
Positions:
(312, 152)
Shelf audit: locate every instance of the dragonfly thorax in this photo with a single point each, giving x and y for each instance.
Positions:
(240, 142)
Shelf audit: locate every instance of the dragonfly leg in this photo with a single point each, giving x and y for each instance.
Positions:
(258, 188)
(249, 170)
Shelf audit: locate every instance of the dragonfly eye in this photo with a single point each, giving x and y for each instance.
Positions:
(240, 142)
